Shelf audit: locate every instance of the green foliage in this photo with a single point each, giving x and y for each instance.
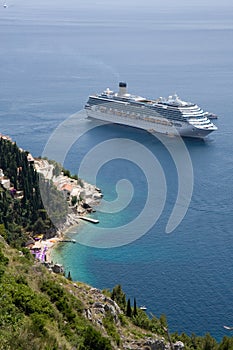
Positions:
(54, 291)
(135, 312)
(24, 312)
(3, 259)
(27, 254)
(122, 319)
(142, 320)
(119, 296)
(109, 325)
(194, 342)
(154, 324)
(209, 343)
(107, 292)
(75, 177)
(66, 172)
(163, 321)
(38, 312)
(65, 303)
(3, 232)
(39, 226)
(128, 309)
(226, 344)
(3, 263)
(29, 302)
(27, 213)
(74, 200)
(38, 324)
(156, 327)
(93, 340)
(69, 276)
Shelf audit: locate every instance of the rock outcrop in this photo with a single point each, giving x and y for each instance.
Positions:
(98, 306)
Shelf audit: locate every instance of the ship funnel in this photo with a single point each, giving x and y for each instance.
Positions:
(122, 89)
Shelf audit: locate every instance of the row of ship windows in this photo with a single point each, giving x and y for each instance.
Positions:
(133, 115)
(146, 112)
(175, 114)
(203, 123)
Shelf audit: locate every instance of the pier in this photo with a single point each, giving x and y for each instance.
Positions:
(68, 241)
(85, 218)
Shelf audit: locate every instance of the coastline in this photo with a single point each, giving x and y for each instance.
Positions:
(80, 196)
(53, 242)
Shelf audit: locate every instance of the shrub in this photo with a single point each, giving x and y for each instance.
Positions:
(93, 340)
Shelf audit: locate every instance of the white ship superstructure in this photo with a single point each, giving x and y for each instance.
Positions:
(170, 115)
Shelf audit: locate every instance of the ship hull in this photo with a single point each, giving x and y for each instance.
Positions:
(161, 125)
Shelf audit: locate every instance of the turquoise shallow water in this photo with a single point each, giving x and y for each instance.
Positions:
(52, 58)
(185, 274)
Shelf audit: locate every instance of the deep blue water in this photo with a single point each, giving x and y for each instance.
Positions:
(53, 57)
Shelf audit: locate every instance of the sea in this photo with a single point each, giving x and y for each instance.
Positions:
(53, 55)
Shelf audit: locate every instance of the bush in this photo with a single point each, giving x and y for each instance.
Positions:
(3, 259)
(38, 325)
(109, 325)
(29, 302)
(93, 340)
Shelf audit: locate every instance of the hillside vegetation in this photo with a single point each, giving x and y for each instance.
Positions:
(43, 310)
(22, 216)
(40, 310)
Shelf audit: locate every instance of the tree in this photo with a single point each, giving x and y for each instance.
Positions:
(94, 341)
(39, 226)
(119, 296)
(209, 342)
(3, 231)
(128, 310)
(135, 307)
(226, 344)
(74, 200)
(69, 276)
(163, 320)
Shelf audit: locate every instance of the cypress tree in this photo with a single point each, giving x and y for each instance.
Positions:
(128, 310)
(135, 307)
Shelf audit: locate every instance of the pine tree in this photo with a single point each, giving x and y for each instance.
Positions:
(119, 296)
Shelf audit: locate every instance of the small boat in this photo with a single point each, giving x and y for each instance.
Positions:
(228, 328)
(212, 116)
(5, 6)
(143, 307)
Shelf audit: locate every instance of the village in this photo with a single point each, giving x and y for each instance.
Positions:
(80, 196)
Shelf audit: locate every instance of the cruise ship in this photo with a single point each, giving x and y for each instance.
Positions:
(170, 116)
